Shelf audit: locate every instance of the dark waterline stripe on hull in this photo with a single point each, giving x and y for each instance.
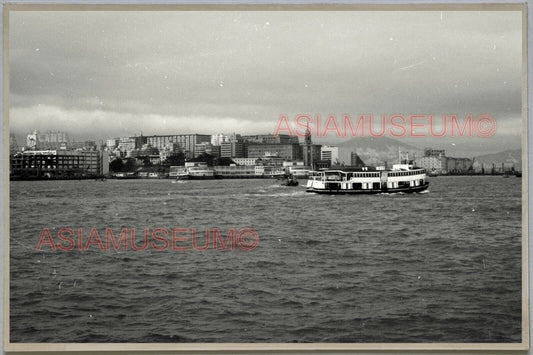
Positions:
(368, 192)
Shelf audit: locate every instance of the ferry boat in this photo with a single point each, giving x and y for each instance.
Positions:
(200, 172)
(194, 171)
(401, 178)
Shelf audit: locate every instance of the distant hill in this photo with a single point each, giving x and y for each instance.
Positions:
(510, 158)
(376, 151)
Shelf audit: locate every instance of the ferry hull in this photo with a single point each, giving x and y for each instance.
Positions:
(202, 177)
(197, 177)
(412, 189)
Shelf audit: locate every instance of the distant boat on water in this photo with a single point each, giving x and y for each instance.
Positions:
(195, 171)
(125, 175)
(289, 180)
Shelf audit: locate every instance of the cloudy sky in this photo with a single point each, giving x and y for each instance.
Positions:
(103, 74)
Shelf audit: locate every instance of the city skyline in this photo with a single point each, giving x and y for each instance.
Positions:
(376, 152)
(417, 145)
(158, 72)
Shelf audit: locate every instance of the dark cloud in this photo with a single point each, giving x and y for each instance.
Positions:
(238, 71)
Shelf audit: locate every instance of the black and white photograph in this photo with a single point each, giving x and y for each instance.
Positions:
(312, 176)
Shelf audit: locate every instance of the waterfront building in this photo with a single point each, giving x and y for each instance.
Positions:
(59, 164)
(436, 161)
(434, 164)
(458, 165)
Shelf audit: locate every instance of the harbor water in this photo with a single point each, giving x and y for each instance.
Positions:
(439, 266)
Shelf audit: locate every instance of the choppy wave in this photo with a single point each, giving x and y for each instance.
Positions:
(443, 266)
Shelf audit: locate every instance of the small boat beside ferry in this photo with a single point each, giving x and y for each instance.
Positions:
(289, 180)
(367, 180)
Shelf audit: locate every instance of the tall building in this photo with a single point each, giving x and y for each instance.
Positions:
(436, 161)
(186, 142)
(201, 148)
(355, 160)
(214, 151)
(218, 139)
(329, 152)
(433, 164)
(285, 151)
(311, 152)
(233, 150)
(139, 141)
(126, 145)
